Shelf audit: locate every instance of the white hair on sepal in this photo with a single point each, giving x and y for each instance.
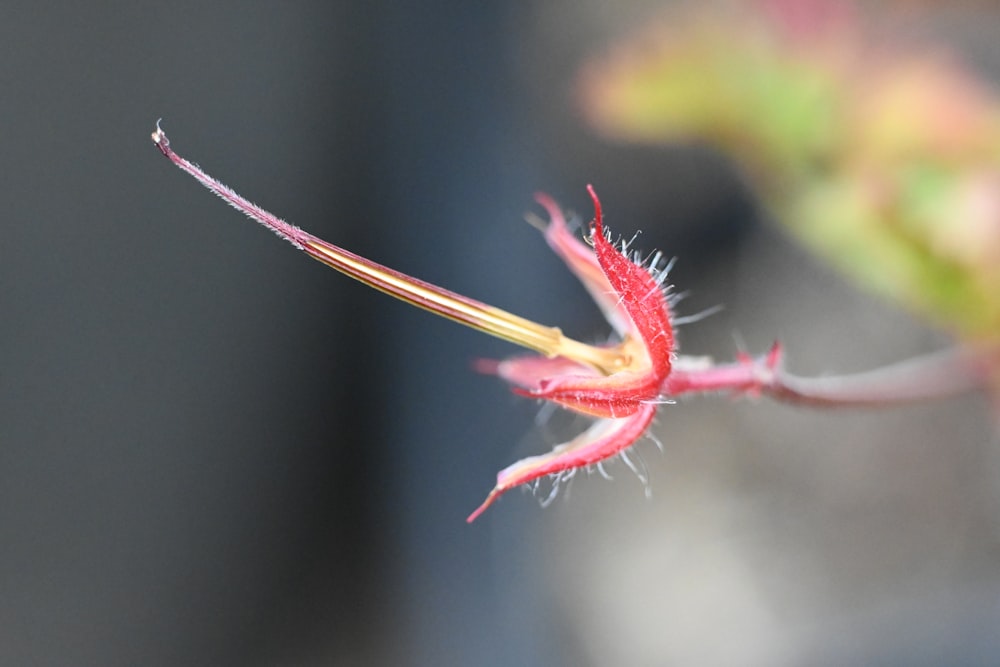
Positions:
(660, 400)
(699, 316)
(637, 466)
(545, 413)
(558, 481)
(624, 245)
(652, 436)
(631, 457)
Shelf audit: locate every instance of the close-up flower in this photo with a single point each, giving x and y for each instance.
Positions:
(621, 384)
(745, 385)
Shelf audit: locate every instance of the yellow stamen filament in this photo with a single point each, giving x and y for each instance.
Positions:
(548, 341)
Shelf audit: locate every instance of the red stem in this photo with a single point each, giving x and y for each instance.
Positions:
(929, 377)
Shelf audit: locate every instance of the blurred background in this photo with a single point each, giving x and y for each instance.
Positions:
(216, 452)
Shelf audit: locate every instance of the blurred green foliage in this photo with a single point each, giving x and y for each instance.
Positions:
(884, 160)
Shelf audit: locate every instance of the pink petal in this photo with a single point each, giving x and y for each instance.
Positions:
(604, 439)
(612, 396)
(582, 262)
(529, 371)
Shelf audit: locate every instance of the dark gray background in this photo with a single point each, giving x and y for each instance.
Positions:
(215, 451)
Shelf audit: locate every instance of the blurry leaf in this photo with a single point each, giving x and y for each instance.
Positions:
(884, 162)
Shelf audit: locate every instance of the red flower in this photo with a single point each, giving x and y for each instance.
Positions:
(620, 385)
(634, 299)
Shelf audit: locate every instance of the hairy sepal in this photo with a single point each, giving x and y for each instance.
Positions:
(604, 439)
(639, 300)
(623, 401)
(641, 296)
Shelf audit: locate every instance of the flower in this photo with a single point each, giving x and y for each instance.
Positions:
(634, 298)
(620, 385)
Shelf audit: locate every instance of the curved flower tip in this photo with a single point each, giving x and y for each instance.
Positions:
(494, 494)
(641, 291)
(604, 439)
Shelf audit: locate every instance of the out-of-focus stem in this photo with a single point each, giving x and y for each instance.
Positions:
(934, 376)
(931, 377)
